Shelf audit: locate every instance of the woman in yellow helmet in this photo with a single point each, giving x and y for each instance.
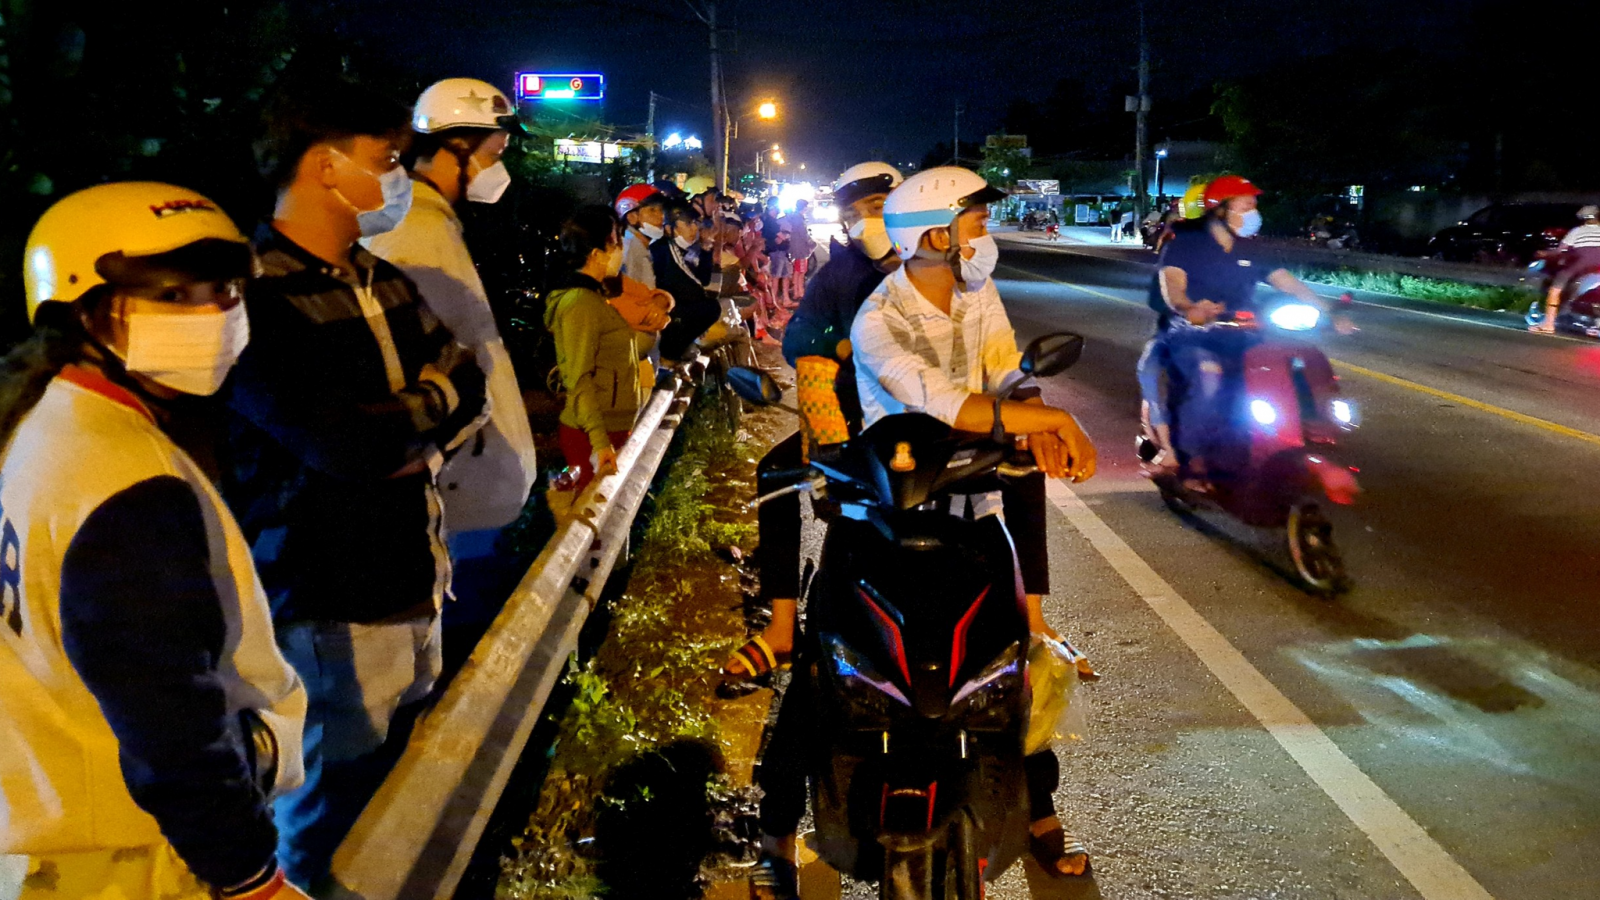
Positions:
(149, 715)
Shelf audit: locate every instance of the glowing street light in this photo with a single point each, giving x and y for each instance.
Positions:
(767, 110)
(693, 143)
(673, 140)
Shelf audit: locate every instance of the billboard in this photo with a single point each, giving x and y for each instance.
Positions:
(590, 151)
(547, 86)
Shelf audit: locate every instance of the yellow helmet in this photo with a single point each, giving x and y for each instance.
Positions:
(99, 234)
(698, 185)
(1193, 203)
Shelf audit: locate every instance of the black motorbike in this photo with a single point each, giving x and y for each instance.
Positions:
(920, 684)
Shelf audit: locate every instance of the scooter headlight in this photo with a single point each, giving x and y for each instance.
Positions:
(1263, 412)
(1343, 412)
(865, 696)
(1295, 316)
(985, 702)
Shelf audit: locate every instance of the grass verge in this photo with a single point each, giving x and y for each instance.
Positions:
(1434, 290)
(634, 798)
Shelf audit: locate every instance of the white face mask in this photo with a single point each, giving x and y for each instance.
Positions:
(653, 232)
(683, 242)
(188, 352)
(872, 236)
(985, 254)
(396, 187)
(614, 261)
(490, 184)
(1249, 224)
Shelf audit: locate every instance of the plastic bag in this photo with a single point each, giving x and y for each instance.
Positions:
(1059, 711)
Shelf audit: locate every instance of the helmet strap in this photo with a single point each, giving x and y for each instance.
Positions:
(953, 255)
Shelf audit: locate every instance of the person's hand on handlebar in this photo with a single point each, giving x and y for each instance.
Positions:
(1080, 457)
(1204, 312)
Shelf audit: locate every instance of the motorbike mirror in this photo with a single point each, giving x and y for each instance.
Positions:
(754, 385)
(1051, 354)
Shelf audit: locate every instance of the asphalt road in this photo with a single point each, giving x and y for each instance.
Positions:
(1451, 702)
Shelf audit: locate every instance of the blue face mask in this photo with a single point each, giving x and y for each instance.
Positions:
(1249, 224)
(396, 187)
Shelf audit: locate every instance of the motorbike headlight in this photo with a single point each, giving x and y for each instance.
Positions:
(985, 701)
(1263, 412)
(1295, 316)
(1343, 412)
(865, 696)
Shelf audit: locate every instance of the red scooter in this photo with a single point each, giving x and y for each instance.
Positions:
(1292, 415)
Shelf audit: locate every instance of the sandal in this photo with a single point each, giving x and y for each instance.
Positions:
(1050, 848)
(758, 659)
(777, 878)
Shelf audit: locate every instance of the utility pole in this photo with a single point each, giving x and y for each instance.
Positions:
(719, 112)
(955, 139)
(1141, 203)
(650, 132)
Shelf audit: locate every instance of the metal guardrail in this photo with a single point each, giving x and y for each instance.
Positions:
(418, 833)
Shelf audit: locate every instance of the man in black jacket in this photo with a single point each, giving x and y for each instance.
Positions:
(694, 308)
(343, 407)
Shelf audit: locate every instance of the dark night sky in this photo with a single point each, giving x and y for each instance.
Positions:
(860, 77)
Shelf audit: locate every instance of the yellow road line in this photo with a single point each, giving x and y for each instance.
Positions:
(1502, 412)
(1520, 418)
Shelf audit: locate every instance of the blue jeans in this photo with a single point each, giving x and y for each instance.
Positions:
(1210, 361)
(365, 685)
(1152, 363)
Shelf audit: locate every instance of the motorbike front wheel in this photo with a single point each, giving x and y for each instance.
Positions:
(1316, 558)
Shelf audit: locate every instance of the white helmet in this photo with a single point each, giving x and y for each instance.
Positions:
(932, 199)
(1589, 212)
(462, 103)
(865, 179)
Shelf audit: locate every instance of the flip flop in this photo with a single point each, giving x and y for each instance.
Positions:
(758, 659)
(1053, 846)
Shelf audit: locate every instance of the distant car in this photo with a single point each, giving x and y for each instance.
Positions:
(1505, 233)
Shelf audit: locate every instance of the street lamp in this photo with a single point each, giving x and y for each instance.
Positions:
(767, 111)
(1161, 153)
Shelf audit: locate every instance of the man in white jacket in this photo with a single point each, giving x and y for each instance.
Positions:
(463, 126)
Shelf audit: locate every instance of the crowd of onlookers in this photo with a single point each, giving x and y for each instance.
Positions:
(237, 477)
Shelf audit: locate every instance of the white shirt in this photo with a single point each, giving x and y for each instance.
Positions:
(1582, 236)
(636, 261)
(486, 483)
(912, 357)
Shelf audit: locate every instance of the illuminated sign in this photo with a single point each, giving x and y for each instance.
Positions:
(591, 151)
(542, 86)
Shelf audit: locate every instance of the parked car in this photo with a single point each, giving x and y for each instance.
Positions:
(1505, 233)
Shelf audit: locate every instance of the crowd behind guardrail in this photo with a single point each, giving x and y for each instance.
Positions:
(238, 476)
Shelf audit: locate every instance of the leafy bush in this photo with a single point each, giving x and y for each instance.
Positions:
(1434, 290)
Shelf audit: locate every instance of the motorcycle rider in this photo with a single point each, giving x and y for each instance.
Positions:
(1155, 358)
(820, 327)
(1204, 275)
(149, 715)
(942, 297)
(1581, 248)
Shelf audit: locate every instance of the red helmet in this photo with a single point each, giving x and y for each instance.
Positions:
(1227, 187)
(633, 195)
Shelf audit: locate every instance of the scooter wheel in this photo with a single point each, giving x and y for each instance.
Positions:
(1316, 558)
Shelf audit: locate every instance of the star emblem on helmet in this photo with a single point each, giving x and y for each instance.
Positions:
(473, 100)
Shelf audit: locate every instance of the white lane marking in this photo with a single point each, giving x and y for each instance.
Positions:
(1424, 863)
